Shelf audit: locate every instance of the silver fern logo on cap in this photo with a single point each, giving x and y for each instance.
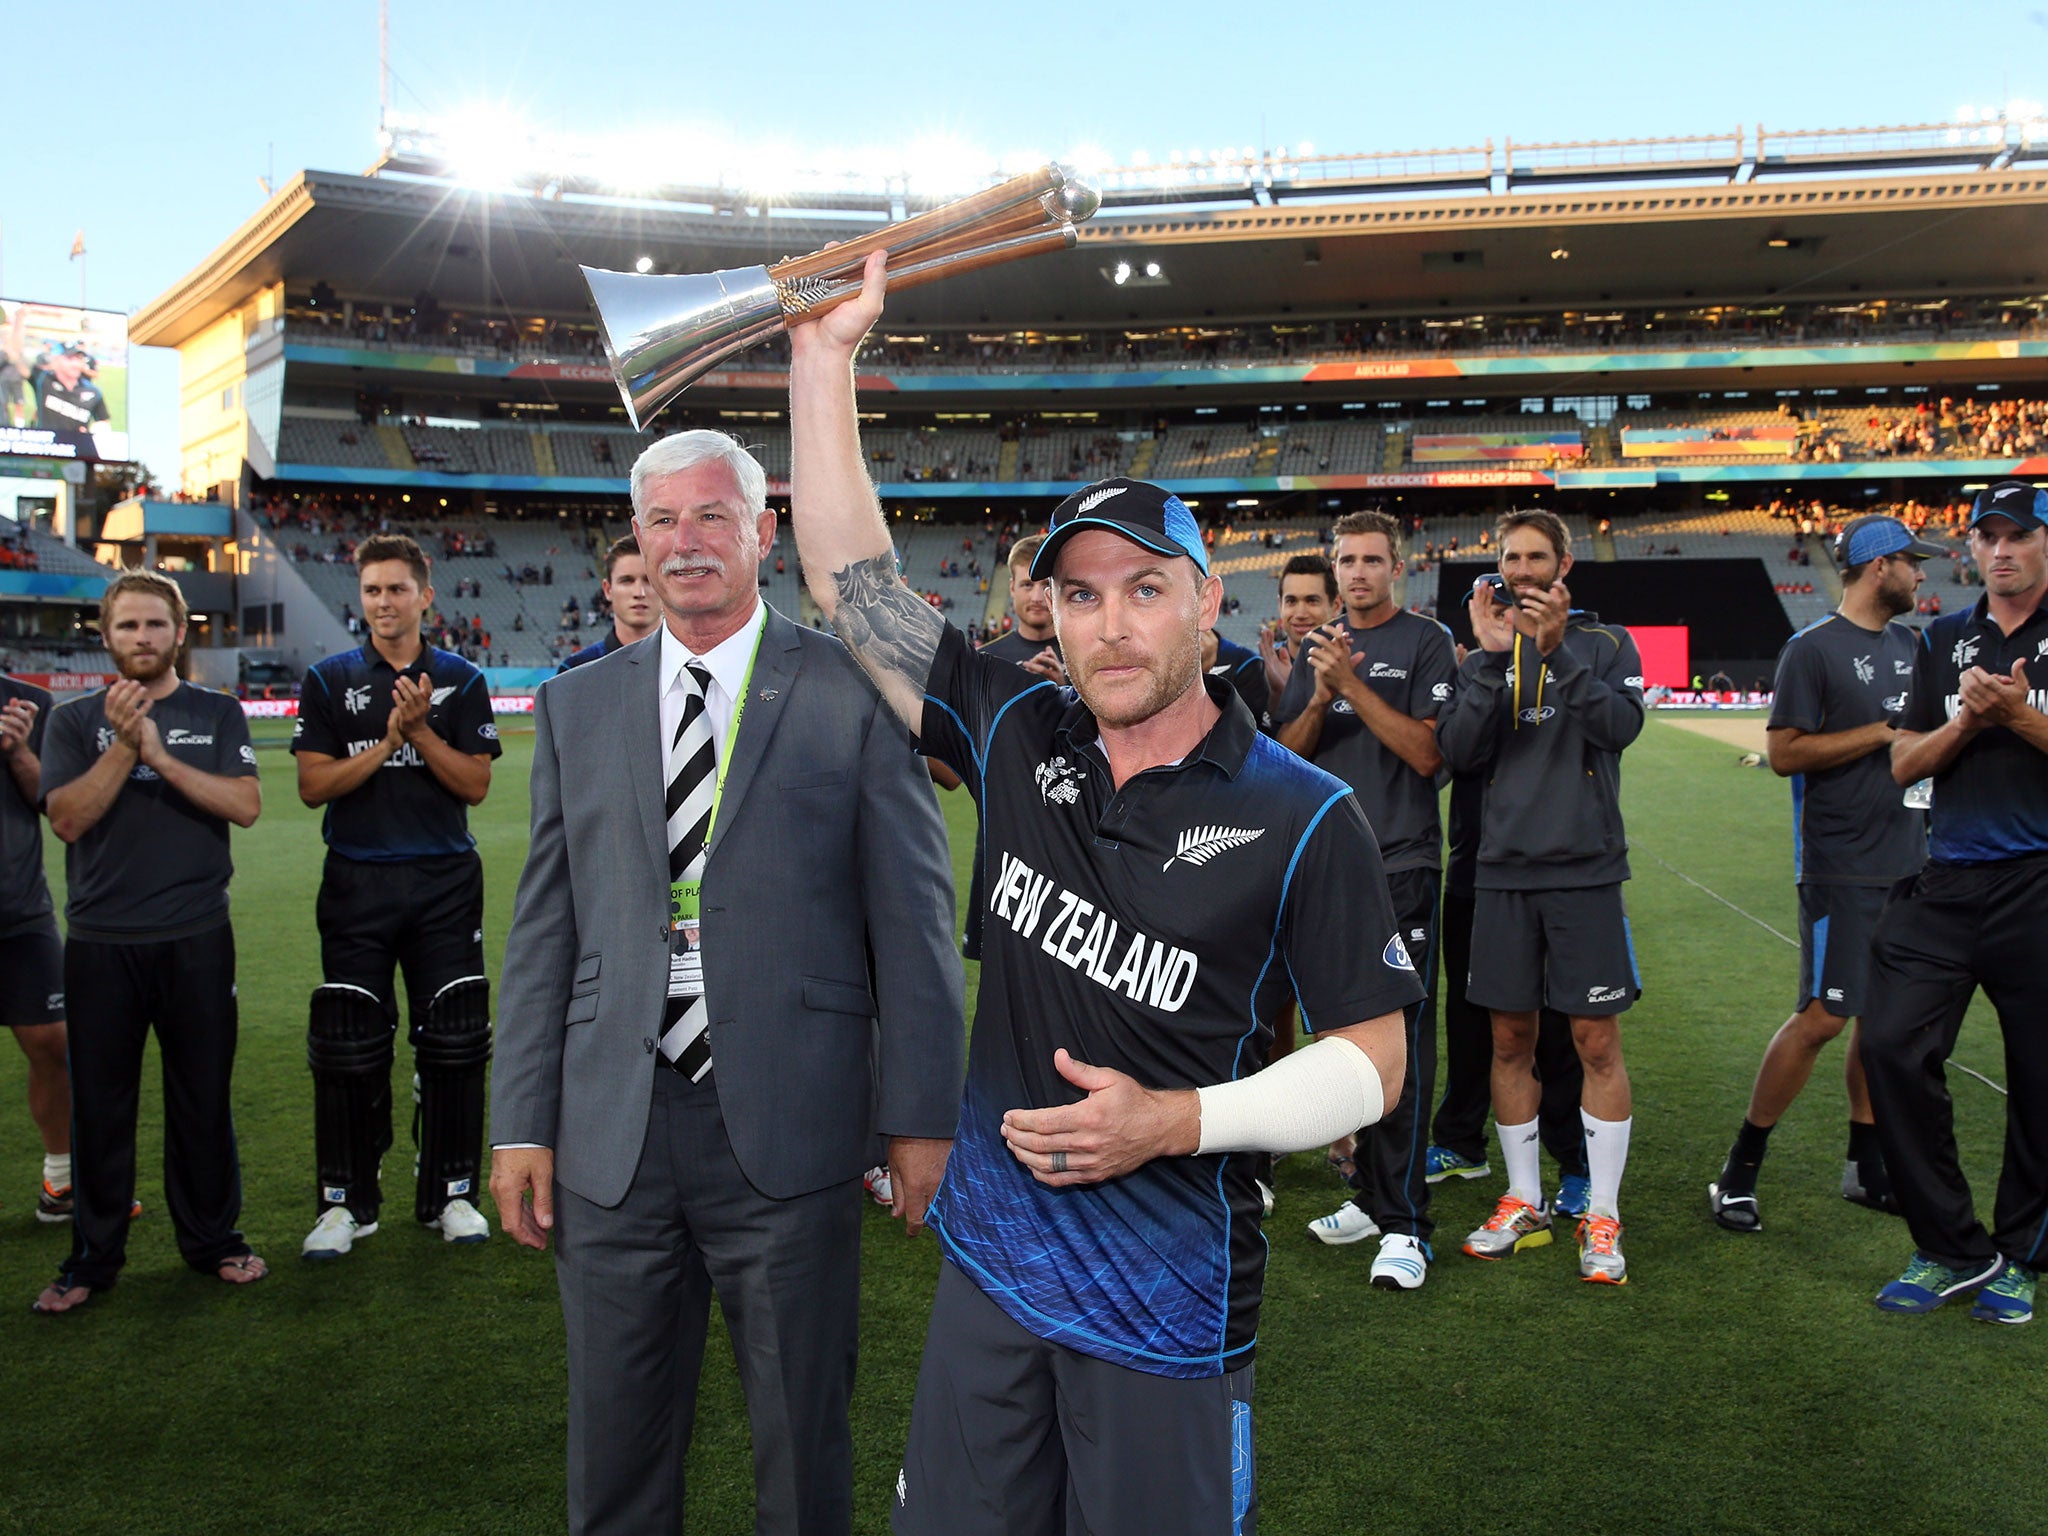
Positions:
(1198, 845)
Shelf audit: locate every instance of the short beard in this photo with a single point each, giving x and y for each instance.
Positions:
(1180, 669)
(130, 668)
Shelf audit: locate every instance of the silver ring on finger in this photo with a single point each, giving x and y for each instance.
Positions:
(1059, 1162)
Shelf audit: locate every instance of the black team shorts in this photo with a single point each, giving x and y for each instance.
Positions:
(1569, 950)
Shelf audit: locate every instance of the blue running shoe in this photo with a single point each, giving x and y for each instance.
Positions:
(1574, 1197)
(1926, 1285)
(2007, 1299)
(1441, 1163)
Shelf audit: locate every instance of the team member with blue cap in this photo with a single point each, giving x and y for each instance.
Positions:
(1969, 919)
(1840, 690)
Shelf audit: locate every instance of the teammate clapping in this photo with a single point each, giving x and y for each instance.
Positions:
(395, 740)
(1547, 704)
(1364, 707)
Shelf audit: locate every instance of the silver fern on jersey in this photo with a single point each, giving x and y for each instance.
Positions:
(1198, 845)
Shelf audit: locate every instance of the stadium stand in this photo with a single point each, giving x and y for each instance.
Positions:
(313, 440)
(968, 348)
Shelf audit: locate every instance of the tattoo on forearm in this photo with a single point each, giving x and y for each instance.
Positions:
(888, 626)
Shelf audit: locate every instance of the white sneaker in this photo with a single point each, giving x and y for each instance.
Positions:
(1402, 1265)
(334, 1234)
(461, 1222)
(1265, 1197)
(1346, 1224)
(880, 1190)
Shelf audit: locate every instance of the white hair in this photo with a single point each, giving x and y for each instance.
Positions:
(685, 450)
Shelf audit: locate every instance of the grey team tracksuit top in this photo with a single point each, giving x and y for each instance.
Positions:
(1546, 735)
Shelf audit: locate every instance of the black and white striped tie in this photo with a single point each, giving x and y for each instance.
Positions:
(692, 775)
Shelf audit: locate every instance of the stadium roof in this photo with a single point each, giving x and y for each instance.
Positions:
(1863, 214)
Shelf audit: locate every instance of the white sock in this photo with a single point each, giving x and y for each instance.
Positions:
(1606, 1157)
(1519, 1152)
(57, 1169)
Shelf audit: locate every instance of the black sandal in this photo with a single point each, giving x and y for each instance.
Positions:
(241, 1264)
(65, 1288)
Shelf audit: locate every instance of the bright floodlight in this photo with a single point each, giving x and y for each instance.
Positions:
(1122, 274)
(644, 264)
(485, 147)
(1151, 269)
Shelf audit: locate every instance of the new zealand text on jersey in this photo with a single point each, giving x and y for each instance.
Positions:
(1085, 939)
(2037, 698)
(407, 756)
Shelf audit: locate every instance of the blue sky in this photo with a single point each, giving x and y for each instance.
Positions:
(163, 157)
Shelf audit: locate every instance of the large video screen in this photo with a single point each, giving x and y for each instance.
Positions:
(63, 381)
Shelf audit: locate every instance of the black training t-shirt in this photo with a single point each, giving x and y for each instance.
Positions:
(24, 893)
(1410, 662)
(402, 811)
(1018, 648)
(1850, 823)
(1156, 929)
(1245, 672)
(1991, 804)
(155, 867)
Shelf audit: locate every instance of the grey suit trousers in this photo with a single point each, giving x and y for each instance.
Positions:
(636, 1282)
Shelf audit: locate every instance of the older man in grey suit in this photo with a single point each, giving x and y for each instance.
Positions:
(730, 969)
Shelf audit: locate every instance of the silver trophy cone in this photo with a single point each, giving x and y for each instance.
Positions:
(662, 332)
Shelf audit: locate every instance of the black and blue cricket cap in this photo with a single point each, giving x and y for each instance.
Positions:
(1138, 510)
(2025, 504)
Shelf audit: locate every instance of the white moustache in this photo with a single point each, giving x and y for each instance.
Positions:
(681, 567)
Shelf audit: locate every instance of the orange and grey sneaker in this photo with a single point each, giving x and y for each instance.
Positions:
(1600, 1260)
(1514, 1225)
(55, 1204)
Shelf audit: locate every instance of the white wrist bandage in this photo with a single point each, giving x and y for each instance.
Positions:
(1325, 1090)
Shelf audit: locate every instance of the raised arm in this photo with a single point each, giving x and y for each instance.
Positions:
(848, 560)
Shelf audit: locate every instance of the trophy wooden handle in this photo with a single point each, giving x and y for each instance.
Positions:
(938, 223)
(803, 306)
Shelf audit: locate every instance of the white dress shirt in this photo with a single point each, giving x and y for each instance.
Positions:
(727, 662)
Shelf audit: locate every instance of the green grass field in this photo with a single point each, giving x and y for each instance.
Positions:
(1737, 1384)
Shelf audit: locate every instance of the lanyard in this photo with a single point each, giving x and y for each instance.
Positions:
(1541, 672)
(684, 895)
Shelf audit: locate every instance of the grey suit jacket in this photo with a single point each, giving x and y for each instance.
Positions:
(831, 978)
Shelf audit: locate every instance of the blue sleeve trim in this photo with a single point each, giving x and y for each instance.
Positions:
(1286, 884)
(965, 734)
(994, 724)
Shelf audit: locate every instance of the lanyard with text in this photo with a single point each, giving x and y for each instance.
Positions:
(685, 896)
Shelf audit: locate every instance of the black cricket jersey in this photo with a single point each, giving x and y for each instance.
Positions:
(24, 892)
(604, 647)
(1850, 823)
(1156, 929)
(1547, 734)
(155, 866)
(1411, 663)
(1017, 650)
(402, 811)
(1246, 673)
(68, 410)
(1991, 803)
